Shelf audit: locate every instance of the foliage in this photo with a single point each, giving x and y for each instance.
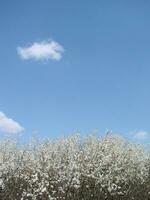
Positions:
(74, 169)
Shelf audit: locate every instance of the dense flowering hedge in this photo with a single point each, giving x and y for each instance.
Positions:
(74, 169)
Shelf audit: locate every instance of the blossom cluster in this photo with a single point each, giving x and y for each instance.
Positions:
(74, 169)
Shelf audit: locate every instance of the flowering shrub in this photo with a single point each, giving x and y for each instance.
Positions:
(74, 169)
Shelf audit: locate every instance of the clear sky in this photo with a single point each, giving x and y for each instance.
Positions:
(95, 75)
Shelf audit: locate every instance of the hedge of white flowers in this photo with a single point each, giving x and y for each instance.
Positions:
(74, 169)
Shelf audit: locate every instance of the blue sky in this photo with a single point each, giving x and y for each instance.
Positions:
(100, 79)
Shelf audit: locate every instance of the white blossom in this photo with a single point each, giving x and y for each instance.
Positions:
(62, 169)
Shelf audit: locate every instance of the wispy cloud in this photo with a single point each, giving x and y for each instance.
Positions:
(8, 125)
(44, 50)
(140, 135)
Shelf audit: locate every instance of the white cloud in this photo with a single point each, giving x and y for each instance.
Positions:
(44, 50)
(140, 135)
(8, 125)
